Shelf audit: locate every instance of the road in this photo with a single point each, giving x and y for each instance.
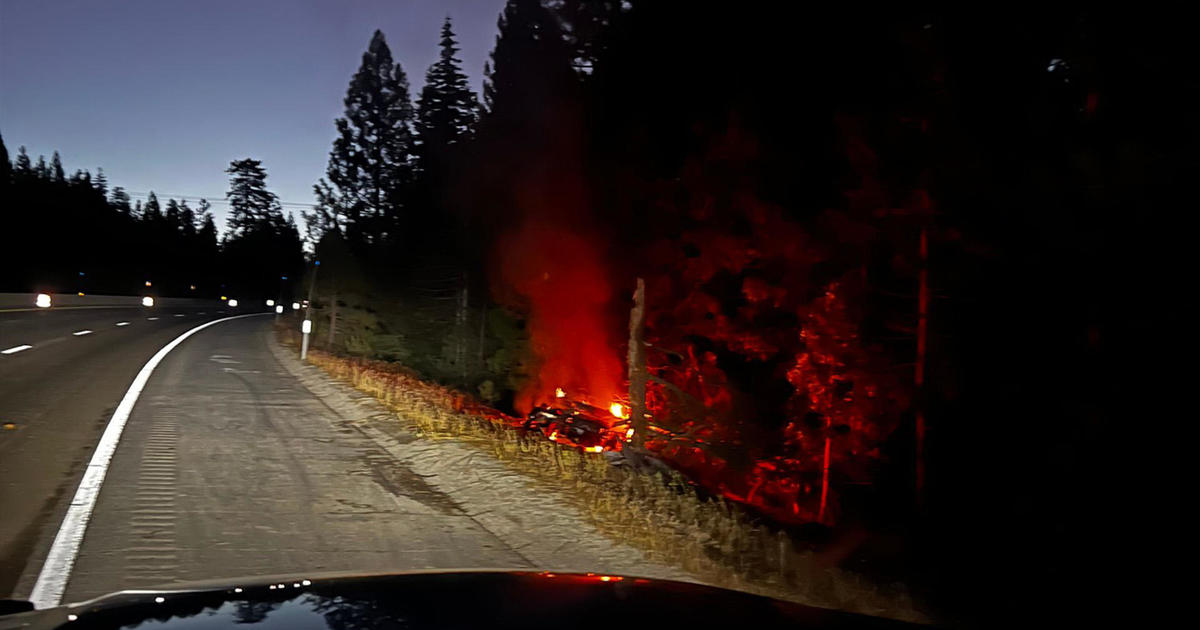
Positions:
(227, 465)
(55, 398)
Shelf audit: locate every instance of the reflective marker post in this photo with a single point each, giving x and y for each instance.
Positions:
(306, 327)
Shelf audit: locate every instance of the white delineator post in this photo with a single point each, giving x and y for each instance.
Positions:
(306, 327)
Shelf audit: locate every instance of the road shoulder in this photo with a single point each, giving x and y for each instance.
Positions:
(543, 528)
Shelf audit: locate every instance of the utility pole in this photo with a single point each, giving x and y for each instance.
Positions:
(637, 365)
(306, 327)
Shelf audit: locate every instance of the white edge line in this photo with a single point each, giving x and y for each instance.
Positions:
(56, 570)
(16, 349)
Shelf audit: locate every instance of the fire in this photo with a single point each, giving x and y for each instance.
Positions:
(559, 393)
(619, 411)
(595, 449)
(566, 308)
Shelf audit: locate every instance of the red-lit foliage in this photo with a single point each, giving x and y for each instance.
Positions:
(754, 326)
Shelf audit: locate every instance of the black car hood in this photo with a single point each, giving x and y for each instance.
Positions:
(476, 599)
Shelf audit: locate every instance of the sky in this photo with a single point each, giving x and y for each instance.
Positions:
(163, 94)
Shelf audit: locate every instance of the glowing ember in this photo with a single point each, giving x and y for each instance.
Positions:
(619, 411)
(559, 393)
(629, 433)
(553, 436)
(595, 449)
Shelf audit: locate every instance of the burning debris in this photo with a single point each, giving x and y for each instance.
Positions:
(574, 423)
(760, 386)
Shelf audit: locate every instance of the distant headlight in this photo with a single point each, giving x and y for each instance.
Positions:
(270, 302)
(279, 309)
(295, 306)
(232, 302)
(147, 301)
(43, 300)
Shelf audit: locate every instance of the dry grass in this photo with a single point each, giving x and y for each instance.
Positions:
(662, 515)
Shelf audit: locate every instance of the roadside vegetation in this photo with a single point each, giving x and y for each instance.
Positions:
(652, 508)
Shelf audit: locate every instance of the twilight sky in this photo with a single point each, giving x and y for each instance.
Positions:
(162, 94)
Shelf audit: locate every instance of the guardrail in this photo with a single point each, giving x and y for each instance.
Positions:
(29, 300)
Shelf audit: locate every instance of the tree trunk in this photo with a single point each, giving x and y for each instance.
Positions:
(919, 373)
(332, 322)
(460, 344)
(482, 337)
(824, 479)
(637, 365)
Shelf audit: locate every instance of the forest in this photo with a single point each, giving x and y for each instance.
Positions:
(78, 236)
(909, 250)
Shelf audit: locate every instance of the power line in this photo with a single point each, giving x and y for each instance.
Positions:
(221, 200)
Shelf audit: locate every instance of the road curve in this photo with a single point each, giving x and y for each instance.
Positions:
(229, 466)
(57, 392)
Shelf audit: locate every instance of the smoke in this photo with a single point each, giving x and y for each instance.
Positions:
(561, 277)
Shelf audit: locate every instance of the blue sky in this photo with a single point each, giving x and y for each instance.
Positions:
(162, 94)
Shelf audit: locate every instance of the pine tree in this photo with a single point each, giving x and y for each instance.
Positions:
(260, 245)
(207, 234)
(207, 252)
(324, 217)
(489, 88)
(447, 109)
(587, 25)
(173, 223)
(22, 167)
(57, 168)
(370, 166)
(5, 166)
(187, 221)
(204, 215)
(42, 170)
(251, 206)
(101, 183)
(151, 211)
(206, 228)
(530, 70)
(119, 200)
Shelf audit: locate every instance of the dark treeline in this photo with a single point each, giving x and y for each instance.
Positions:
(1022, 149)
(75, 234)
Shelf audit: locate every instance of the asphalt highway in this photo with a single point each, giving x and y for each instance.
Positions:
(62, 373)
(227, 465)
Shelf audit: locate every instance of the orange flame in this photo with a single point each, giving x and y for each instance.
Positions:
(619, 411)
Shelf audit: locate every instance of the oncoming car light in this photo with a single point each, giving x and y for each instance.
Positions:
(147, 301)
(43, 300)
(232, 302)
